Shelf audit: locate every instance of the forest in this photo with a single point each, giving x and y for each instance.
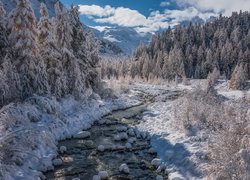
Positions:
(192, 51)
(52, 56)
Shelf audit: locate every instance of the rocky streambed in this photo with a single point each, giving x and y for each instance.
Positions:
(112, 149)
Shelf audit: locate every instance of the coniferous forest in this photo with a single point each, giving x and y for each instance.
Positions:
(54, 56)
(193, 51)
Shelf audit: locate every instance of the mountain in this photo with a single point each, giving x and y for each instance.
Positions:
(127, 39)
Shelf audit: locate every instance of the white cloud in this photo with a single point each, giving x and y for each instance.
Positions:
(94, 10)
(218, 6)
(165, 4)
(124, 17)
(132, 18)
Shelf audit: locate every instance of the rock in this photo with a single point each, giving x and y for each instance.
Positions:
(113, 147)
(103, 174)
(57, 162)
(124, 168)
(132, 140)
(123, 136)
(124, 120)
(159, 177)
(96, 177)
(63, 149)
(138, 134)
(128, 146)
(102, 121)
(143, 135)
(41, 176)
(108, 122)
(122, 128)
(117, 137)
(76, 179)
(69, 169)
(152, 151)
(160, 168)
(50, 168)
(131, 132)
(156, 162)
(82, 135)
(120, 147)
(101, 148)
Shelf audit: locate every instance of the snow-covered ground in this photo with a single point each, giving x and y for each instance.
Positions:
(35, 126)
(184, 155)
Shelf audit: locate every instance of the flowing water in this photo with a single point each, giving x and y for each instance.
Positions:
(82, 159)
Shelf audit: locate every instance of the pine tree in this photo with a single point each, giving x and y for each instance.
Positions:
(63, 30)
(23, 38)
(239, 77)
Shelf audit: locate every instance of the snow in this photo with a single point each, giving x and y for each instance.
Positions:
(124, 168)
(223, 89)
(55, 119)
(174, 148)
(183, 155)
(52, 119)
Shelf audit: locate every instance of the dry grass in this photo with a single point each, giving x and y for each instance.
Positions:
(227, 124)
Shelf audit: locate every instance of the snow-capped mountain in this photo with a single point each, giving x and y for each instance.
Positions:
(114, 41)
(125, 38)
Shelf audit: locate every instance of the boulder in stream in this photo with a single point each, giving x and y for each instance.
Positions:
(82, 135)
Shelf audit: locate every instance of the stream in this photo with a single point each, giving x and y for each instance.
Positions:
(122, 143)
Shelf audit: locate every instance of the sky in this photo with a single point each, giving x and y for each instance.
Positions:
(151, 15)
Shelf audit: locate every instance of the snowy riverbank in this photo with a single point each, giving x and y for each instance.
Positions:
(31, 130)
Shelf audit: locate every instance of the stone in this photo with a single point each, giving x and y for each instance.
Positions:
(82, 135)
(124, 168)
(103, 174)
(76, 179)
(117, 137)
(57, 162)
(122, 128)
(143, 135)
(132, 140)
(62, 149)
(102, 121)
(101, 148)
(152, 151)
(96, 177)
(159, 177)
(131, 132)
(128, 146)
(156, 162)
(123, 136)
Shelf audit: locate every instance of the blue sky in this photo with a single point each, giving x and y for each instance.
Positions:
(151, 15)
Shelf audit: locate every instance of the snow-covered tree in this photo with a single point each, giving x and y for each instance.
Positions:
(63, 30)
(239, 77)
(45, 27)
(23, 38)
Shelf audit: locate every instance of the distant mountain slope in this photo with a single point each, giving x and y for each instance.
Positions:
(115, 41)
(125, 38)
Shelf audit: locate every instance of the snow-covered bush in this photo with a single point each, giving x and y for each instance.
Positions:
(198, 110)
(239, 77)
(226, 123)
